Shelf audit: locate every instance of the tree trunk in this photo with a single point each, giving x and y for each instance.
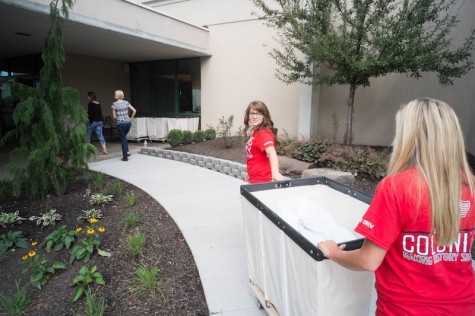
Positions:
(349, 116)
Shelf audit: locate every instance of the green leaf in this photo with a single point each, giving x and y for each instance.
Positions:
(59, 265)
(81, 252)
(84, 270)
(103, 253)
(37, 276)
(21, 243)
(78, 293)
(58, 247)
(100, 281)
(68, 241)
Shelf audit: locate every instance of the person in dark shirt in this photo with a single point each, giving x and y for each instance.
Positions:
(94, 112)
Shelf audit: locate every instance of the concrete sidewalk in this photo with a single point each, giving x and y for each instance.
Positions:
(206, 206)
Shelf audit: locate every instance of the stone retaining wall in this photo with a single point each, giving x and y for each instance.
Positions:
(227, 167)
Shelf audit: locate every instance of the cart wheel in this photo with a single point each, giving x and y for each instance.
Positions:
(259, 305)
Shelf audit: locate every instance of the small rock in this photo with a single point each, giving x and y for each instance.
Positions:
(339, 176)
(292, 166)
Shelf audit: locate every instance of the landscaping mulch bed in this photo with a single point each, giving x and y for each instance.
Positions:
(165, 246)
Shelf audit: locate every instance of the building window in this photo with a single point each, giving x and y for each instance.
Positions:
(167, 88)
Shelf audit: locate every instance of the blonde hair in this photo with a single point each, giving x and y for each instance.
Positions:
(429, 138)
(119, 94)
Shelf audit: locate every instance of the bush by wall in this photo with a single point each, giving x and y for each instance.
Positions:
(210, 134)
(198, 136)
(175, 137)
(187, 137)
(365, 161)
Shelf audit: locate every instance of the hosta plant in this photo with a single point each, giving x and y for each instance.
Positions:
(92, 213)
(47, 218)
(59, 239)
(12, 239)
(10, 219)
(100, 199)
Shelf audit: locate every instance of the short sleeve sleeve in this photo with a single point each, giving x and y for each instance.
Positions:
(266, 139)
(382, 223)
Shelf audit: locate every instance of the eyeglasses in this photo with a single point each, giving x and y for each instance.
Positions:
(255, 114)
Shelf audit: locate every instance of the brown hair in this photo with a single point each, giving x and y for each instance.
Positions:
(267, 123)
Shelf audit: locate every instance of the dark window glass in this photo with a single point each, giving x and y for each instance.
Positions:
(141, 75)
(167, 87)
(189, 85)
(165, 95)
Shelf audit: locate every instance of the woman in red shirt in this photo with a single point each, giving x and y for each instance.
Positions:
(420, 226)
(262, 160)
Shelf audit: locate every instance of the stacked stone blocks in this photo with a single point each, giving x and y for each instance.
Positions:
(227, 167)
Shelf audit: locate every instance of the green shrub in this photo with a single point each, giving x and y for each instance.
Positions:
(310, 151)
(132, 220)
(135, 243)
(175, 137)
(210, 134)
(116, 187)
(130, 199)
(187, 137)
(288, 146)
(198, 136)
(364, 161)
(146, 280)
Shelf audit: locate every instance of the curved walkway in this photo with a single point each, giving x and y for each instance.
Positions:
(206, 206)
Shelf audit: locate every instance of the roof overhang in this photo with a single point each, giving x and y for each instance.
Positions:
(112, 29)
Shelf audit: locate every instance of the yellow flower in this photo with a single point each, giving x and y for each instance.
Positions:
(34, 243)
(25, 257)
(90, 231)
(32, 254)
(102, 229)
(92, 220)
(78, 230)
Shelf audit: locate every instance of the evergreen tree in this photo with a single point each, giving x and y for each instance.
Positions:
(50, 123)
(348, 42)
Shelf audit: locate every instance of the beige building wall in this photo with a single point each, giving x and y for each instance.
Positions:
(239, 71)
(96, 74)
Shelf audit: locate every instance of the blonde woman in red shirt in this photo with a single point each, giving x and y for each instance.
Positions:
(420, 226)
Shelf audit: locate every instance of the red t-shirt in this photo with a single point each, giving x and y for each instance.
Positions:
(418, 277)
(258, 165)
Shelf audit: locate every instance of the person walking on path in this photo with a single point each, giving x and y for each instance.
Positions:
(120, 112)
(262, 160)
(96, 123)
(420, 226)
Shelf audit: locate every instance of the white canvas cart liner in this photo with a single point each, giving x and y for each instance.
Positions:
(287, 272)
